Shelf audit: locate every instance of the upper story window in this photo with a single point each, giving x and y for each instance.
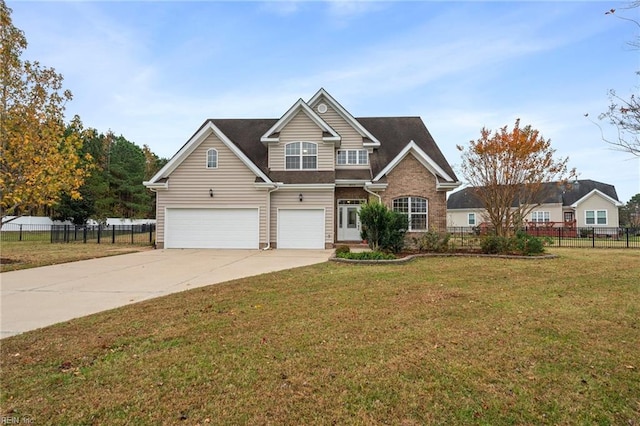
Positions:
(596, 217)
(301, 156)
(416, 209)
(352, 157)
(471, 219)
(212, 158)
(540, 216)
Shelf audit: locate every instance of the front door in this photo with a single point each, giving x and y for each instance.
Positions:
(348, 222)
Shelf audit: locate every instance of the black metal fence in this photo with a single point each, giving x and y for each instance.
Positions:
(98, 234)
(588, 237)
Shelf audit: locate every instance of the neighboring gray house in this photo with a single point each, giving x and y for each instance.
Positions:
(582, 203)
(298, 181)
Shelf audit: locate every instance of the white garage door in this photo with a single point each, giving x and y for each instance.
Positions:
(212, 228)
(301, 228)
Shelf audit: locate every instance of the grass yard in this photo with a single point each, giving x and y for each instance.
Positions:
(435, 341)
(30, 254)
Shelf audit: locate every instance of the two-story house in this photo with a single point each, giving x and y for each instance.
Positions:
(298, 181)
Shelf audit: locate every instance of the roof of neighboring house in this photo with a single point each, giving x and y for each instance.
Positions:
(553, 192)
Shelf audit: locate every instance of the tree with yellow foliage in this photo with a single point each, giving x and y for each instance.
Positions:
(38, 159)
(509, 171)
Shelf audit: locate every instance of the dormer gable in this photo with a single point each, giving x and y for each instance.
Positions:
(273, 134)
(322, 96)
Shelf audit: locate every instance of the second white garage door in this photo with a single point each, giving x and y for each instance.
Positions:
(212, 228)
(301, 229)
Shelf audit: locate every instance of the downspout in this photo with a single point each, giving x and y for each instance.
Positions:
(373, 193)
(274, 189)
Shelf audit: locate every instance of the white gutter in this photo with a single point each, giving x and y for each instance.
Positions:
(274, 189)
(373, 193)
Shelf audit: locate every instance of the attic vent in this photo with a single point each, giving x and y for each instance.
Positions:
(322, 108)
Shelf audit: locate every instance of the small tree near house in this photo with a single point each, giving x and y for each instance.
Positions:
(509, 169)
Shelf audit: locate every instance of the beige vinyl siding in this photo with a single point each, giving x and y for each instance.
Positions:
(351, 139)
(301, 129)
(596, 202)
(232, 184)
(289, 199)
(460, 218)
(555, 212)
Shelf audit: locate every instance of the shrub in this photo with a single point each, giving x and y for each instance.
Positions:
(522, 243)
(433, 241)
(494, 244)
(366, 255)
(382, 228)
(528, 244)
(342, 249)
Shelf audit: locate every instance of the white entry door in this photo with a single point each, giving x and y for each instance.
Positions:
(349, 222)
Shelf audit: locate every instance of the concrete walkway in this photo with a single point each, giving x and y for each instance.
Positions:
(38, 297)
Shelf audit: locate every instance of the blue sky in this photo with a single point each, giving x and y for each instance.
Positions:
(154, 71)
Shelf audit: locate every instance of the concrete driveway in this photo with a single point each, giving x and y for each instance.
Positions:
(35, 298)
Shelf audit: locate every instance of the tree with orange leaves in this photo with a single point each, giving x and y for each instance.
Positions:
(508, 170)
(39, 159)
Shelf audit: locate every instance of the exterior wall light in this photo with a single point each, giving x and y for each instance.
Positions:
(210, 192)
(300, 197)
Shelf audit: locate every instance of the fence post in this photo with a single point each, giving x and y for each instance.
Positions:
(560, 237)
(132, 233)
(627, 232)
(20, 234)
(113, 234)
(84, 234)
(593, 237)
(151, 233)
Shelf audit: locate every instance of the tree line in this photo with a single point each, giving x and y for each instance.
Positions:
(49, 166)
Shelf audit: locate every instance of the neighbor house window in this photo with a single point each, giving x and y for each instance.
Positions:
(471, 219)
(596, 217)
(540, 216)
(212, 158)
(301, 156)
(351, 157)
(416, 210)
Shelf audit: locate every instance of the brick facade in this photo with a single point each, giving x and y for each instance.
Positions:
(411, 179)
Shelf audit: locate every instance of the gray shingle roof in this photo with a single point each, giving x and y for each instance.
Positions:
(394, 133)
(554, 193)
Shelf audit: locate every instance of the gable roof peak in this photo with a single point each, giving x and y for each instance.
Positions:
(272, 135)
(371, 141)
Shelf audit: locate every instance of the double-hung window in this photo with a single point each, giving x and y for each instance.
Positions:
(301, 156)
(596, 217)
(471, 219)
(212, 158)
(540, 216)
(352, 157)
(416, 209)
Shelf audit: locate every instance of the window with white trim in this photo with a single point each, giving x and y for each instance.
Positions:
(301, 156)
(352, 157)
(595, 217)
(416, 209)
(540, 216)
(471, 219)
(212, 158)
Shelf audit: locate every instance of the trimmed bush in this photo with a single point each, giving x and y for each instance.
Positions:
(382, 228)
(433, 241)
(522, 243)
(366, 255)
(342, 249)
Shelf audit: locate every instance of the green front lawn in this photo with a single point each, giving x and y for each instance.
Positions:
(434, 341)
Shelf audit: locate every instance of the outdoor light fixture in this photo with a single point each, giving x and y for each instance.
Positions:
(210, 192)
(300, 197)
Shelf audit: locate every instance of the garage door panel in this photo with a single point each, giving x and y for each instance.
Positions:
(301, 228)
(212, 228)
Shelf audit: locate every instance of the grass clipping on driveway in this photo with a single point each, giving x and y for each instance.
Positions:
(438, 340)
